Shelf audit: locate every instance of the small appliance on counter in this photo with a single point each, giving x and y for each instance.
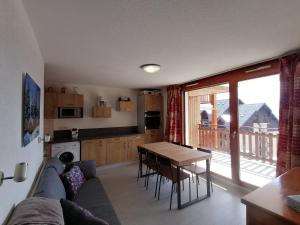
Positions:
(74, 133)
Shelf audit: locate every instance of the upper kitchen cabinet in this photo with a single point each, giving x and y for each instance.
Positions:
(153, 102)
(50, 103)
(69, 100)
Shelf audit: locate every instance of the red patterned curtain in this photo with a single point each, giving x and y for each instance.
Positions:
(174, 114)
(288, 155)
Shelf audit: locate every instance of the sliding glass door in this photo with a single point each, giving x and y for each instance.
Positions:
(258, 110)
(236, 116)
(208, 124)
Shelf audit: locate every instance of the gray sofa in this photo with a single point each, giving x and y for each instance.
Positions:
(91, 195)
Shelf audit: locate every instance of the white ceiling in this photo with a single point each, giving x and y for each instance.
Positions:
(105, 41)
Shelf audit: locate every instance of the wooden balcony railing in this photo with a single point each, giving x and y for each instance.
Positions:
(260, 146)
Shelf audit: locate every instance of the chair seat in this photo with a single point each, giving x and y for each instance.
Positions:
(171, 174)
(195, 169)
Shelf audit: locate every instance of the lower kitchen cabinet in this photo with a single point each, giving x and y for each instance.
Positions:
(111, 150)
(94, 150)
(116, 150)
(133, 143)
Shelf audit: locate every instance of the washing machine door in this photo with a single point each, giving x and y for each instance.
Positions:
(66, 157)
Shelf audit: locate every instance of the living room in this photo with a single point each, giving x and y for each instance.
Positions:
(121, 86)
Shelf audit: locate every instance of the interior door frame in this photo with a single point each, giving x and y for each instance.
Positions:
(233, 77)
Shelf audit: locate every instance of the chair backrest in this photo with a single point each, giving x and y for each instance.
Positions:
(175, 143)
(164, 165)
(187, 146)
(204, 150)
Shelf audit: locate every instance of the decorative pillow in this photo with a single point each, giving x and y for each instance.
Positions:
(72, 180)
(75, 214)
(37, 210)
(87, 167)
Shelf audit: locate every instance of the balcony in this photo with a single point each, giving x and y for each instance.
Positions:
(258, 151)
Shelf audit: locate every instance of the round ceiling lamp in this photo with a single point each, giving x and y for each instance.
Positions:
(150, 68)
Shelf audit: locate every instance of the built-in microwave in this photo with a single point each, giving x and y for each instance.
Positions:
(70, 112)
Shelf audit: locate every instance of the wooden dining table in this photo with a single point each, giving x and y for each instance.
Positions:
(181, 156)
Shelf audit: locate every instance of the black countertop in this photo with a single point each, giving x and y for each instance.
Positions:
(61, 136)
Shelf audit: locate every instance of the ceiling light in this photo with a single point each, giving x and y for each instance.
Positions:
(150, 68)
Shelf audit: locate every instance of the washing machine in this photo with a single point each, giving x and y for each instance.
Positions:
(67, 152)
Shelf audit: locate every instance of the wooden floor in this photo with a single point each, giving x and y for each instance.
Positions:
(135, 206)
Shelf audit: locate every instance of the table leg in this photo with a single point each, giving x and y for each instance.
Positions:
(208, 178)
(178, 188)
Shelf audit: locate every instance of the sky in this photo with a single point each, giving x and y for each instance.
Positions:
(259, 90)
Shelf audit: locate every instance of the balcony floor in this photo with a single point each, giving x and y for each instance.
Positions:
(255, 172)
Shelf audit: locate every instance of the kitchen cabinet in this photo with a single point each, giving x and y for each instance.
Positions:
(50, 105)
(153, 103)
(125, 106)
(116, 150)
(112, 150)
(153, 135)
(69, 100)
(101, 112)
(133, 143)
(94, 150)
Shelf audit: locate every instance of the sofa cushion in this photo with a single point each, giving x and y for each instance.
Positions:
(50, 185)
(88, 168)
(92, 196)
(72, 180)
(75, 214)
(38, 211)
(56, 164)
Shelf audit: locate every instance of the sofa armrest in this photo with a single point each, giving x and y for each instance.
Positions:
(88, 168)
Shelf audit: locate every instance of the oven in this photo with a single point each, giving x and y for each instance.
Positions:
(152, 120)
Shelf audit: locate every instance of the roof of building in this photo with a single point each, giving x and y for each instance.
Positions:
(245, 110)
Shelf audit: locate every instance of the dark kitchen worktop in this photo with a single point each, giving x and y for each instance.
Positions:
(61, 136)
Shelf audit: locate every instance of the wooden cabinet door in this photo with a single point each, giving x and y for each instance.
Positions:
(153, 103)
(133, 143)
(153, 135)
(78, 100)
(94, 150)
(66, 100)
(50, 105)
(116, 150)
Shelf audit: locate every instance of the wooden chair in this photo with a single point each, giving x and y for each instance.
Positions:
(198, 170)
(187, 146)
(175, 143)
(167, 170)
(142, 160)
(151, 163)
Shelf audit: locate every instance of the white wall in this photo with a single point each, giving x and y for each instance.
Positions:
(19, 52)
(111, 95)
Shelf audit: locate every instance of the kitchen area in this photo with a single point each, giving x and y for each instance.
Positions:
(86, 138)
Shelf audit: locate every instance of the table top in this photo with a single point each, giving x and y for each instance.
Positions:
(179, 155)
(273, 196)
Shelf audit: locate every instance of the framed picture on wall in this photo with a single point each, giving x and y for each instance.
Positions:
(31, 110)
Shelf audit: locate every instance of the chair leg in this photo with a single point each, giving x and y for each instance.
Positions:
(159, 187)
(183, 185)
(190, 197)
(146, 175)
(171, 195)
(197, 178)
(156, 185)
(211, 184)
(139, 173)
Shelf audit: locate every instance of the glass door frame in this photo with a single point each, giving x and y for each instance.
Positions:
(250, 72)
